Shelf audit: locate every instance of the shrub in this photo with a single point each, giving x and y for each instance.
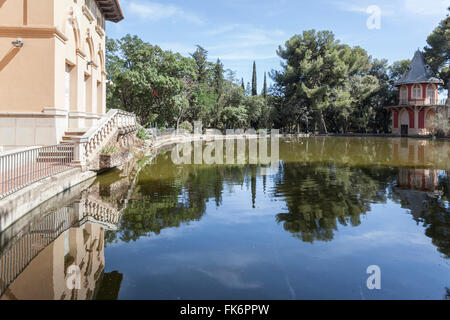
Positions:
(142, 134)
(187, 126)
(109, 150)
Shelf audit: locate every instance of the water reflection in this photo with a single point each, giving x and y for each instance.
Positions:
(322, 188)
(36, 252)
(425, 193)
(319, 198)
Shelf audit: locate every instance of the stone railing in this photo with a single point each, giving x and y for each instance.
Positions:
(90, 144)
(102, 212)
(422, 102)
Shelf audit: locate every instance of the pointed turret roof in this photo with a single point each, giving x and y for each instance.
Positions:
(418, 72)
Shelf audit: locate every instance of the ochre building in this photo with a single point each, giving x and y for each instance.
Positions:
(52, 68)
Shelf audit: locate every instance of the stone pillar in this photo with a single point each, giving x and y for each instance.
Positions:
(79, 153)
(416, 120)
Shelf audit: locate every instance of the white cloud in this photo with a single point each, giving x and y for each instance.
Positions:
(221, 30)
(386, 10)
(428, 8)
(177, 47)
(243, 42)
(156, 11)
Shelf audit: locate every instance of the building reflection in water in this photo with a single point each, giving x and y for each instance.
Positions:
(418, 179)
(69, 230)
(424, 191)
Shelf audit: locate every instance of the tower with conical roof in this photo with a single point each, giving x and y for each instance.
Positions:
(418, 100)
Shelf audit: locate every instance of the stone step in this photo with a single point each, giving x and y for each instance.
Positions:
(68, 138)
(60, 153)
(76, 132)
(55, 159)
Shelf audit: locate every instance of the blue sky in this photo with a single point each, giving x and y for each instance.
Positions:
(240, 31)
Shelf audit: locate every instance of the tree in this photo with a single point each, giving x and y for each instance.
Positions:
(248, 90)
(264, 93)
(378, 118)
(437, 51)
(218, 78)
(201, 59)
(254, 106)
(254, 81)
(154, 84)
(243, 85)
(398, 68)
(318, 73)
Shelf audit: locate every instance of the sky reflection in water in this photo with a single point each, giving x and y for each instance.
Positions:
(307, 231)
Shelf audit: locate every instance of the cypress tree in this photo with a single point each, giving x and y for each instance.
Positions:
(243, 85)
(265, 86)
(254, 82)
(218, 78)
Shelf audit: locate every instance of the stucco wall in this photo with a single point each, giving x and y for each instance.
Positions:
(55, 34)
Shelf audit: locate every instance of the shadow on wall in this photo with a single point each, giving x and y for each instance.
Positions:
(9, 55)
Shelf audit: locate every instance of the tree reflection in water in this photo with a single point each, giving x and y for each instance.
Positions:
(168, 196)
(319, 198)
(324, 184)
(426, 194)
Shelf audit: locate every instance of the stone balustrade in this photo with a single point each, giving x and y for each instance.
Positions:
(90, 145)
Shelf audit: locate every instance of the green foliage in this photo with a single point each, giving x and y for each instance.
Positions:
(254, 81)
(234, 117)
(148, 81)
(327, 85)
(437, 51)
(166, 89)
(441, 125)
(187, 126)
(264, 92)
(323, 86)
(142, 134)
(110, 150)
(200, 57)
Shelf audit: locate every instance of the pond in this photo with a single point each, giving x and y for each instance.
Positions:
(310, 227)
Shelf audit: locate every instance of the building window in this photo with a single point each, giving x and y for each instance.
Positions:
(403, 95)
(431, 93)
(417, 91)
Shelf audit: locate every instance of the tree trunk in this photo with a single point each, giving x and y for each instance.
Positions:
(448, 93)
(322, 125)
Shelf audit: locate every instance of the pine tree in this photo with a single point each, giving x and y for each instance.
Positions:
(201, 59)
(254, 82)
(437, 51)
(243, 85)
(264, 93)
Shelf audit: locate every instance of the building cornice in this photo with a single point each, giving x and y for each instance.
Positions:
(32, 32)
(110, 9)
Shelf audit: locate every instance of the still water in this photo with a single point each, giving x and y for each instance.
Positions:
(308, 229)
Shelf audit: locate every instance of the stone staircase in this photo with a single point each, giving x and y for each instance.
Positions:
(72, 134)
(61, 153)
